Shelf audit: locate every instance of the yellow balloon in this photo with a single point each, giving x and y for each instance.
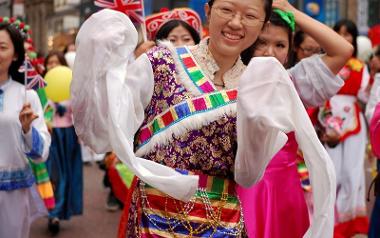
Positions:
(58, 82)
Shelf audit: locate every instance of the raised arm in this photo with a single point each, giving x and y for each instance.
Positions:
(105, 43)
(36, 138)
(109, 97)
(337, 49)
(261, 132)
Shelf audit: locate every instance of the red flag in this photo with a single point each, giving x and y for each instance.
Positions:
(133, 8)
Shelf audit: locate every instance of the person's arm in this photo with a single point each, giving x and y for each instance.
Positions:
(35, 134)
(337, 49)
(102, 72)
(109, 97)
(262, 123)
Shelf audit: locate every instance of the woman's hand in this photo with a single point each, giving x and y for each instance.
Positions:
(283, 5)
(26, 117)
(143, 48)
(331, 138)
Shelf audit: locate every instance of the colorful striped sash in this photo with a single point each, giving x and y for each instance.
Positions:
(44, 186)
(194, 72)
(184, 110)
(213, 212)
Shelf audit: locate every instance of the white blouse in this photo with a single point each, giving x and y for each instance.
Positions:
(15, 146)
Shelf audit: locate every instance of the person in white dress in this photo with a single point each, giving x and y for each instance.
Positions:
(23, 135)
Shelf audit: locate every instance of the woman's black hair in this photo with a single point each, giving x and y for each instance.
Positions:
(352, 29)
(275, 20)
(60, 56)
(298, 39)
(164, 31)
(18, 44)
(267, 7)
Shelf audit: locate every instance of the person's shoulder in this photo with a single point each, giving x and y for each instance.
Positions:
(16, 85)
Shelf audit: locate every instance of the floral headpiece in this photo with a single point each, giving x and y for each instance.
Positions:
(156, 21)
(287, 17)
(25, 32)
(21, 26)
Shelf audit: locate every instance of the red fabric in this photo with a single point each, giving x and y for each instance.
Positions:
(313, 114)
(118, 187)
(352, 84)
(348, 229)
(374, 35)
(374, 131)
(357, 128)
(123, 225)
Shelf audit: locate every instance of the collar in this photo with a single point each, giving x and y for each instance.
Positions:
(209, 66)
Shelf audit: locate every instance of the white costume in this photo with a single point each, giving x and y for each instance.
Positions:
(19, 202)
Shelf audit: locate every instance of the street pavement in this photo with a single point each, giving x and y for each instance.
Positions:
(96, 221)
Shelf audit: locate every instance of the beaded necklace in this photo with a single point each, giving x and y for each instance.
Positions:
(173, 220)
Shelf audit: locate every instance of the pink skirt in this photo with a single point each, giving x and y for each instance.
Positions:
(276, 207)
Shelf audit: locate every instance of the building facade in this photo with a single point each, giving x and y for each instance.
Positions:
(37, 13)
(55, 22)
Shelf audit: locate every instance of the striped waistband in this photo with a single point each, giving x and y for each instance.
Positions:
(215, 187)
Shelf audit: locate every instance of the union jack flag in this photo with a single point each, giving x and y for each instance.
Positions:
(133, 8)
(33, 79)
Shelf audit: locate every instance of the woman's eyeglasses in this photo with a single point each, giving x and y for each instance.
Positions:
(310, 50)
(229, 14)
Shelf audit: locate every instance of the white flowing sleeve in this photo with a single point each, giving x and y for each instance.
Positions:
(374, 98)
(314, 81)
(268, 108)
(109, 97)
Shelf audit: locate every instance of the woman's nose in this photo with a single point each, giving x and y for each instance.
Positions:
(269, 51)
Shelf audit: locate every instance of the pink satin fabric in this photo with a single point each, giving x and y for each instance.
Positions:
(276, 207)
(374, 131)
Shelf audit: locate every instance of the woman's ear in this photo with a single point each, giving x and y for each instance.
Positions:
(207, 11)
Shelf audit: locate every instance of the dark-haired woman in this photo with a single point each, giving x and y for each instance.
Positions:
(348, 156)
(179, 33)
(276, 207)
(64, 164)
(177, 108)
(23, 135)
(303, 46)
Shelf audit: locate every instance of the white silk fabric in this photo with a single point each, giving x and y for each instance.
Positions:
(109, 98)
(268, 108)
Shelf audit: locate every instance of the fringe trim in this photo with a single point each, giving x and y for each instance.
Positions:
(193, 122)
(182, 77)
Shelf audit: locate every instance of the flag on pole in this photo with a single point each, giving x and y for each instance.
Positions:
(33, 80)
(133, 8)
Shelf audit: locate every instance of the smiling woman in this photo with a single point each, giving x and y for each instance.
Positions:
(171, 116)
(185, 121)
(23, 135)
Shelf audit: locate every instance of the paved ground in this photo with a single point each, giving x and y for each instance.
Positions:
(96, 222)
